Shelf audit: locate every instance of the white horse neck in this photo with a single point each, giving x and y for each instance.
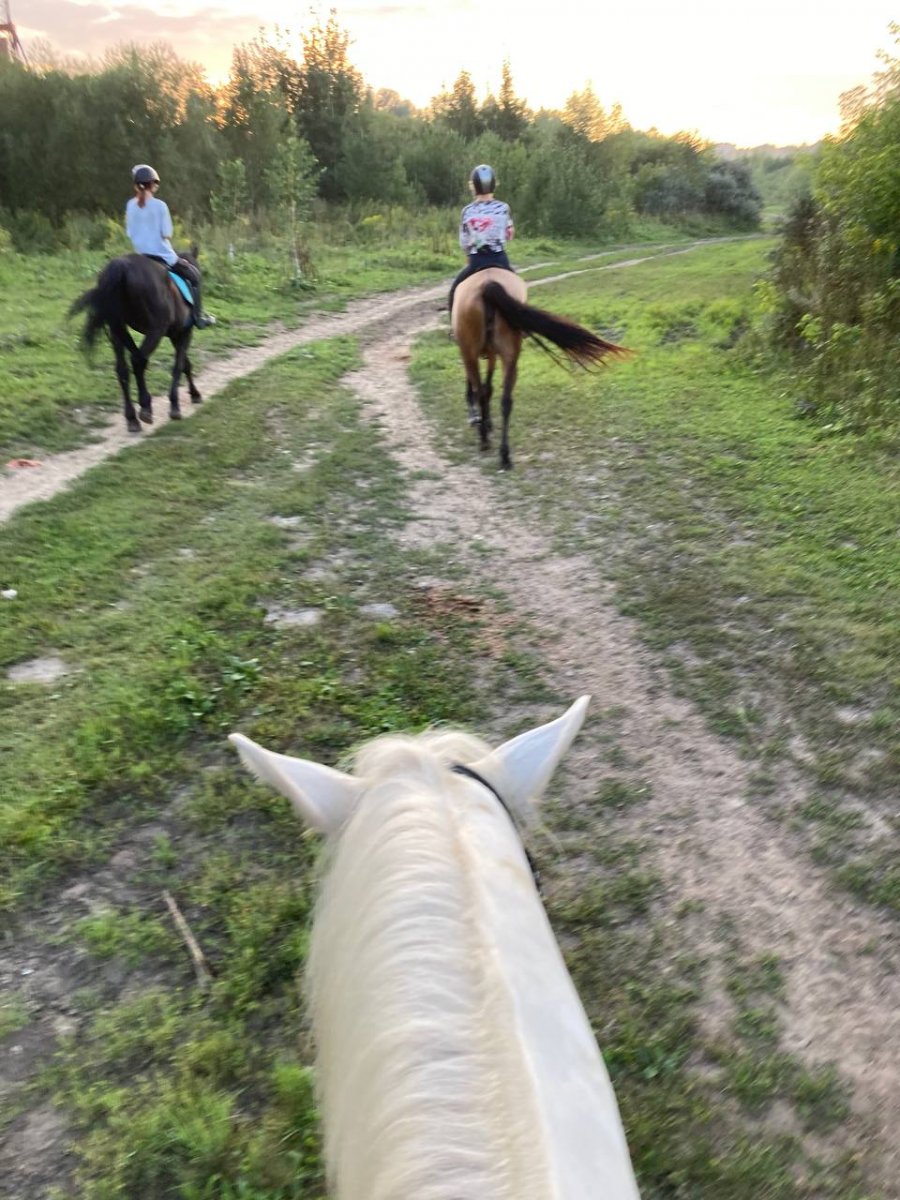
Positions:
(455, 1059)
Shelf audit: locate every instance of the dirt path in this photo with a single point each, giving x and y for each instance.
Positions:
(711, 845)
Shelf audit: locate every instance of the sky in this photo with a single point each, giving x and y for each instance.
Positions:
(768, 72)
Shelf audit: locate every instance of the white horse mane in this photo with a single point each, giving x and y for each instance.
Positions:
(412, 1077)
(444, 1070)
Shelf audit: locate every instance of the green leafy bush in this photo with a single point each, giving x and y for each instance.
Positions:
(833, 296)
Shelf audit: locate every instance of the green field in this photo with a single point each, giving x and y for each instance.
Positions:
(757, 557)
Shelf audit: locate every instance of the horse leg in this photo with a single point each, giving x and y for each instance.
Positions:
(193, 390)
(474, 398)
(510, 371)
(180, 342)
(132, 423)
(472, 403)
(487, 392)
(140, 357)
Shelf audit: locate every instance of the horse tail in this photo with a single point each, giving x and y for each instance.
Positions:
(580, 345)
(103, 303)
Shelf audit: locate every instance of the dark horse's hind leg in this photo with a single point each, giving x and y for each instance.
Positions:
(120, 337)
(179, 367)
(193, 390)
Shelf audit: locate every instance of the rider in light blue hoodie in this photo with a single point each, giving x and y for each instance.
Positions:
(148, 223)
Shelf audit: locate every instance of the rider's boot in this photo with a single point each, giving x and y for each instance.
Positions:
(202, 320)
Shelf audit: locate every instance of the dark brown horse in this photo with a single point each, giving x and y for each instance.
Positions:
(135, 292)
(490, 318)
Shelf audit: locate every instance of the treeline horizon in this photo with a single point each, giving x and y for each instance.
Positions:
(69, 137)
(285, 137)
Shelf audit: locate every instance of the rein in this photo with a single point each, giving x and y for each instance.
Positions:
(460, 769)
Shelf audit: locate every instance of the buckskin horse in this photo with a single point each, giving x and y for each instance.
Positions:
(453, 1055)
(136, 292)
(490, 319)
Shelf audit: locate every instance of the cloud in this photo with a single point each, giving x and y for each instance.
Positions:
(92, 28)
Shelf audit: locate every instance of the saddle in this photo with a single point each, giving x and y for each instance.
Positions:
(183, 287)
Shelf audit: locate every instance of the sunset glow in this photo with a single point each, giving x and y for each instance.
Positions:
(773, 73)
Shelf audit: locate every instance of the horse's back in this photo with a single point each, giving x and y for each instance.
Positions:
(467, 317)
(135, 290)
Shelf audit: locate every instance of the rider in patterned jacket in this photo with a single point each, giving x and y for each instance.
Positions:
(485, 226)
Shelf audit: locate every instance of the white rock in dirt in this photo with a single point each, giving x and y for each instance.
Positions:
(38, 670)
(285, 618)
(384, 612)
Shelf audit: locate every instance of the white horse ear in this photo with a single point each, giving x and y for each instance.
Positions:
(521, 768)
(322, 797)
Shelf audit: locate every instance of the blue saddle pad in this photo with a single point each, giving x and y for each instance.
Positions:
(182, 285)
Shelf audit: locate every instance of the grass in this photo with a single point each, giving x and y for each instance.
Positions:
(705, 1116)
(154, 584)
(758, 556)
(157, 578)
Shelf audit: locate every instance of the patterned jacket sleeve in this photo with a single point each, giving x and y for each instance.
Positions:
(464, 239)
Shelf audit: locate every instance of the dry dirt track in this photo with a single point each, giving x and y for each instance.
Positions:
(839, 959)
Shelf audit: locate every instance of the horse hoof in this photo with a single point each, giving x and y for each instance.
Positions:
(175, 414)
(196, 399)
(134, 425)
(146, 416)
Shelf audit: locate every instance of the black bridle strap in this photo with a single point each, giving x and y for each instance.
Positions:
(460, 769)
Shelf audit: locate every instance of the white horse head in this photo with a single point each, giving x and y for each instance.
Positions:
(454, 1058)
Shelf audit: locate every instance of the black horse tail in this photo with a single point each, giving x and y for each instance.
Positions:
(577, 343)
(103, 302)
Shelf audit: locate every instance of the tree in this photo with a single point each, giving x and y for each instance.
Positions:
(329, 94)
(255, 116)
(730, 192)
(585, 114)
(387, 100)
(563, 194)
(292, 185)
(230, 198)
(506, 116)
(458, 109)
(436, 161)
(834, 292)
(371, 165)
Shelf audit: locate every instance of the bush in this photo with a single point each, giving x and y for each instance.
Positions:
(81, 231)
(33, 233)
(833, 296)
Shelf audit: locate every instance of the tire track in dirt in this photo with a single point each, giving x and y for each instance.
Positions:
(711, 846)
